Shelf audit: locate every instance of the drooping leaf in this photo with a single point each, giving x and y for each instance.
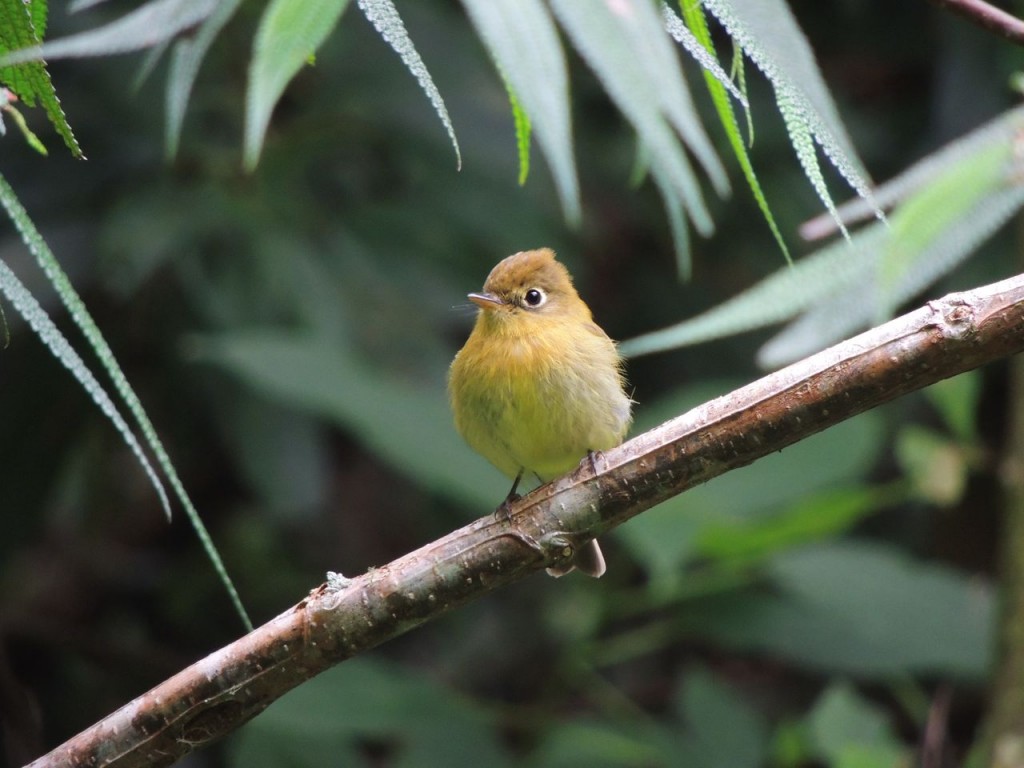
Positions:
(75, 6)
(146, 26)
(385, 19)
(186, 58)
(289, 33)
(695, 44)
(80, 315)
(32, 312)
(626, 45)
(949, 207)
(693, 14)
(19, 120)
(522, 39)
(856, 307)
(780, 296)
(769, 35)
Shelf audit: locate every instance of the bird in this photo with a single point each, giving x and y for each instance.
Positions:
(538, 384)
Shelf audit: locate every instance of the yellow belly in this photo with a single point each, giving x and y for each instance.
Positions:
(538, 406)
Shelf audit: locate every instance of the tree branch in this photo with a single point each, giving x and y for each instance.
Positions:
(345, 617)
(987, 16)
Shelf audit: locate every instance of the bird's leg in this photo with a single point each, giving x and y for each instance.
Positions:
(592, 458)
(504, 510)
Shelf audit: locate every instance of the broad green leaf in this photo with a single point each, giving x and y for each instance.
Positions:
(722, 729)
(769, 35)
(818, 516)
(865, 610)
(395, 419)
(289, 33)
(953, 207)
(522, 39)
(957, 401)
(17, 30)
(751, 499)
(710, 726)
(385, 19)
(590, 742)
(856, 306)
(925, 218)
(848, 731)
(780, 296)
(80, 315)
(1000, 131)
(39, 10)
(336, 714)
(186, 58)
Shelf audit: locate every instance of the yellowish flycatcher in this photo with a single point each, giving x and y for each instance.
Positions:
(538, 384)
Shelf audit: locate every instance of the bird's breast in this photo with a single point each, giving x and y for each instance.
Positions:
(540, 400)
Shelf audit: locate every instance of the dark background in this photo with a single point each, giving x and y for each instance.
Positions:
(357, 235)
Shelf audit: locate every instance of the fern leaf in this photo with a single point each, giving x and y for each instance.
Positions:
(80, 315)
(22, 25)
(694, 16)
(768, 34)
(385, 19)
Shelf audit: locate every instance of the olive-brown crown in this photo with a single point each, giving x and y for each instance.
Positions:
(530, 280)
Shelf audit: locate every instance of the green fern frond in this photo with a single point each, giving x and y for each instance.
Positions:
(389, 25)
(770, 37)
(40, 322)
(697, 25)
(22, 25)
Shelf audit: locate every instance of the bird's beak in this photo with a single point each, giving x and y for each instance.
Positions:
(485, 300)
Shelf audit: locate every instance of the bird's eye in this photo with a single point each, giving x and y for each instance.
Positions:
(534, 297)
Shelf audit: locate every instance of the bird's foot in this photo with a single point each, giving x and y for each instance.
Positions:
(504, 510)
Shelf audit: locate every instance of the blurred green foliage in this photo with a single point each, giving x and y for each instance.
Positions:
(289, 331)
